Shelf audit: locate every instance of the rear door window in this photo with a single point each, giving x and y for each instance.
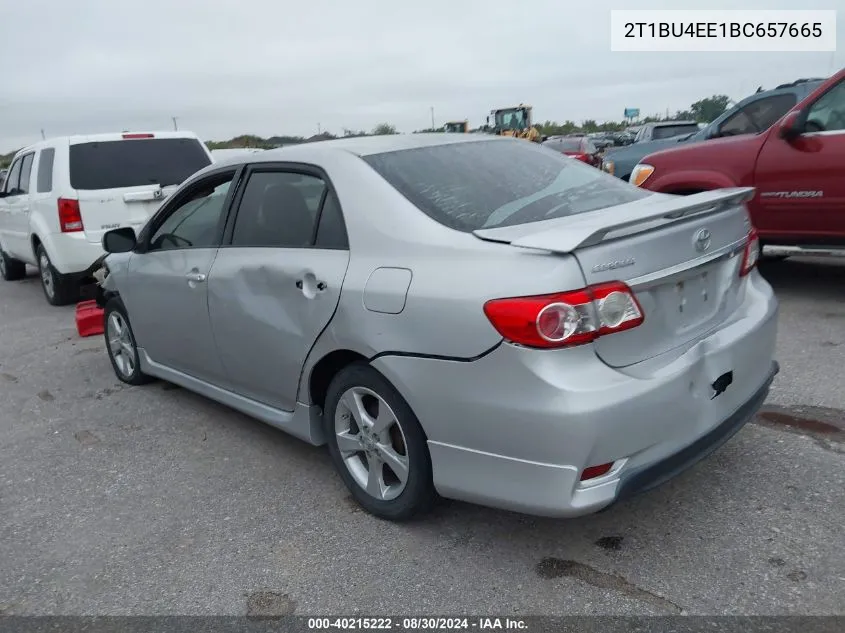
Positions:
(492, 183)
(135, 162)
(278, 210)
(45, 170)
(668, 131)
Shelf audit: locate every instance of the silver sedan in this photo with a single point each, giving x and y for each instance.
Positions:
(472, 316)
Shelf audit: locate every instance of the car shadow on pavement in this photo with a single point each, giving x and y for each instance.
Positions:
(811, 278)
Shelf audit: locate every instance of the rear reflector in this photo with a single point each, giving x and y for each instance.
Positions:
(138, 136)
(566, 318)
(751, 253)
(70, 219)
(595, 471)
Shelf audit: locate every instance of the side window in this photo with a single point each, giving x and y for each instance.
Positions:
(195, 221)
(278, 209)
(13, 177)
(45, 170)
(828, 112)
(331, 233)
(26, 172)
(758, 115)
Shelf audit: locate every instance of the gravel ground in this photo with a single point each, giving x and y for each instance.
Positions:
(151, 500)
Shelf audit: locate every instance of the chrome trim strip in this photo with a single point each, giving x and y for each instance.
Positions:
(726, 252)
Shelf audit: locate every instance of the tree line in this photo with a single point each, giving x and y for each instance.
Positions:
(702, 111)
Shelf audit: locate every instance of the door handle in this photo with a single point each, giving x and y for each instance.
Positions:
(195, 277)
(321, 285)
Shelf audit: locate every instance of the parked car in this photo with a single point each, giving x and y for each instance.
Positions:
(3, 173)
(63, 194)
(578, 147)
(664, 129)
(796, 166)
(447, 328)
(762, 108)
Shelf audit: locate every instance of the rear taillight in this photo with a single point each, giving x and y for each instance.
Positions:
(751, 253)
(566, 318)
(70, 219)
(134, 135)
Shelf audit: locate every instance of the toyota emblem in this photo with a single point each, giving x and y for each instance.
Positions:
(701, 241)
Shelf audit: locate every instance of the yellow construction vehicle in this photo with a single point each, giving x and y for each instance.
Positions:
(456, 127)
(515, 121)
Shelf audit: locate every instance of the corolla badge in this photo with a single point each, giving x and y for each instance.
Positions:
(702, 239)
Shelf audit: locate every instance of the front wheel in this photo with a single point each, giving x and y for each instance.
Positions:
(11, 269)
(377, 444)
(120, 344)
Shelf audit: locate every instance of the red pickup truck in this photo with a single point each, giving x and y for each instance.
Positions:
(797, 167)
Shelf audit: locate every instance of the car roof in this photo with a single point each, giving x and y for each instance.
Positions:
(668, 123)
(359, 146)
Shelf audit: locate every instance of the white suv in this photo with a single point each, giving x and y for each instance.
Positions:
(63, 194)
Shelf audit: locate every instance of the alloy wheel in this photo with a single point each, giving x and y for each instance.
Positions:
(46, 275)
(121, 346)
(371, 443)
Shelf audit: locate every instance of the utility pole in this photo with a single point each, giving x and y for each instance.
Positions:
(319, 131)
(43, 138)
(174, 119)
(432, 117)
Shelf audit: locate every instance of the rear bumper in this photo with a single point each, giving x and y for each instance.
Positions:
(515, 428)
(70, 253)
(660, 472)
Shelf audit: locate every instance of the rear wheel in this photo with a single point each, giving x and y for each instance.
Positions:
(11, 269)
(377, 444)
(58, 289)
(120, 344)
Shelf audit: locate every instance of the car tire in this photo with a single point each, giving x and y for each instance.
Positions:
(373, 436)
(120, 344)
(58, 289)
(11, 269)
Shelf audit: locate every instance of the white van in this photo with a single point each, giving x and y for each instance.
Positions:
(61, 195)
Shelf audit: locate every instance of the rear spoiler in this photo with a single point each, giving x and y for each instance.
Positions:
(567, 234)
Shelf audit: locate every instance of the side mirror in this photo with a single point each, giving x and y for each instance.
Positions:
(789, 127)
(120, 240)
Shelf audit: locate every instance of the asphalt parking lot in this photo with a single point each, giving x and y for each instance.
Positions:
(151, 500)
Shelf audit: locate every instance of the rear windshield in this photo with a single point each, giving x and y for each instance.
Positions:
(668, 131)
(130, 163)
(485, 184)
(570, 144)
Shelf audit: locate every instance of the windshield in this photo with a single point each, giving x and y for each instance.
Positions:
(486, 184)
(512, 119)
(571, 144)
(131, 163)
(668, 131)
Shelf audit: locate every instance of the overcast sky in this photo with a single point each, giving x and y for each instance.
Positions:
(273, 67)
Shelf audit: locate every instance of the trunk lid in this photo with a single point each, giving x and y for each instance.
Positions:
(681, 256)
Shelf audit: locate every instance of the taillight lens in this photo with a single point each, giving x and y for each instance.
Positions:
(751, 253)
(566, 318)
(70, 219)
